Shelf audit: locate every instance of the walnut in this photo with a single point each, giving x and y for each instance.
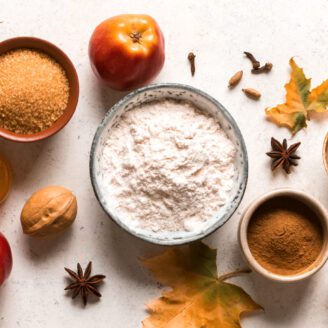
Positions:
(48, 211)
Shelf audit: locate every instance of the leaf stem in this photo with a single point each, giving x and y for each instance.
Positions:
(234, 274)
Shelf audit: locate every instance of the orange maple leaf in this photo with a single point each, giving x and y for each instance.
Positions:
(300, 101)
(199, 298)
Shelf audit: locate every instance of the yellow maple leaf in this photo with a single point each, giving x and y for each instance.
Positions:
(299, 101)
(318, 98)
(198, 298)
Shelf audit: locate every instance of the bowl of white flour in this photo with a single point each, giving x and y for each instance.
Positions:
(168, 164)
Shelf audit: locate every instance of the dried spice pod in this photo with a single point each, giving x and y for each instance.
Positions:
(235, 79)
(283, 155)
(49, 211)
(255, 63)
(257, 68)
(191, 58)
(252, 93)
(83, 283)
(5, 178)
(266, 68)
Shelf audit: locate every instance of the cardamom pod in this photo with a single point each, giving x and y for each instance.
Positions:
(252, 93)
(235, 79)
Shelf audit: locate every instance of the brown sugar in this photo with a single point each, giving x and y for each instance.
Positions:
(34, 91)
(285, 236)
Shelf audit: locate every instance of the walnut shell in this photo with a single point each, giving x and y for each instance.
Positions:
(48, 211)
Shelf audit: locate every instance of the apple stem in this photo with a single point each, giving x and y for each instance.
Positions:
(135, 36)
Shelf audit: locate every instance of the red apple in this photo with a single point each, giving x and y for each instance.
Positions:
(6, 260)
(127, 51)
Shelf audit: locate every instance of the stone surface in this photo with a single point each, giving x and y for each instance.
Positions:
(217, 32)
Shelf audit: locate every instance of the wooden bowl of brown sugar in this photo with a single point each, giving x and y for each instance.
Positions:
(283, 235)
(39, 89)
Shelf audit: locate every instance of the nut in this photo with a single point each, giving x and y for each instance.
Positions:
(48, 211)
(235, 79)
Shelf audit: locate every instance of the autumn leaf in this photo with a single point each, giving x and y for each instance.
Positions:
(300, 101)
(198, 298)
(318, 98)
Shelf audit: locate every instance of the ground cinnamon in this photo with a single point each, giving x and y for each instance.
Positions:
(285, 236)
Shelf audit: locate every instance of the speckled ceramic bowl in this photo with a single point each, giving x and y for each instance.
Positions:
(207, 104)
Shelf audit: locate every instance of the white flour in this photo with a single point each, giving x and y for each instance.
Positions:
(168, 167)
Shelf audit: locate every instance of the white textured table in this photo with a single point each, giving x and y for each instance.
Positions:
(218, 32)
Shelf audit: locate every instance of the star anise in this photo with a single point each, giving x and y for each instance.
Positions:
(282, 155)
(84, 284)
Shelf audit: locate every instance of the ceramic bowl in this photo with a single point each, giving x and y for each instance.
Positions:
(310, 202)
(205, 103)
(64, 61)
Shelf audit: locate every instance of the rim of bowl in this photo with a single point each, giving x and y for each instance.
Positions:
(324, 153)
(307, 200)
(63, 60)
(10, 176)
(103, 125)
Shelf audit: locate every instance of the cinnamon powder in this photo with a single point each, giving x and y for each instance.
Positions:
(285, 236)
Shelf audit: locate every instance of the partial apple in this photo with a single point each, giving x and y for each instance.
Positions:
(127, 51)
(6, 260)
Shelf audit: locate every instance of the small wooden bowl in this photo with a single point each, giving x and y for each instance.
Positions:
(325, 152)
(310, 202)
(65, 62)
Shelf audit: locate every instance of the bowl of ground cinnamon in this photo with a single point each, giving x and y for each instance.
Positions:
(39, 89)
(283, 235)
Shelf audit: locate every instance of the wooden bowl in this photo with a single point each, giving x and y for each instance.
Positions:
(65, 62)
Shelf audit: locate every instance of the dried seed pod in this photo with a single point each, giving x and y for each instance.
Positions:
(255, 63)
(191, 58)
(252, 93)
(235, 79)
(48, 211)
(263, 69)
